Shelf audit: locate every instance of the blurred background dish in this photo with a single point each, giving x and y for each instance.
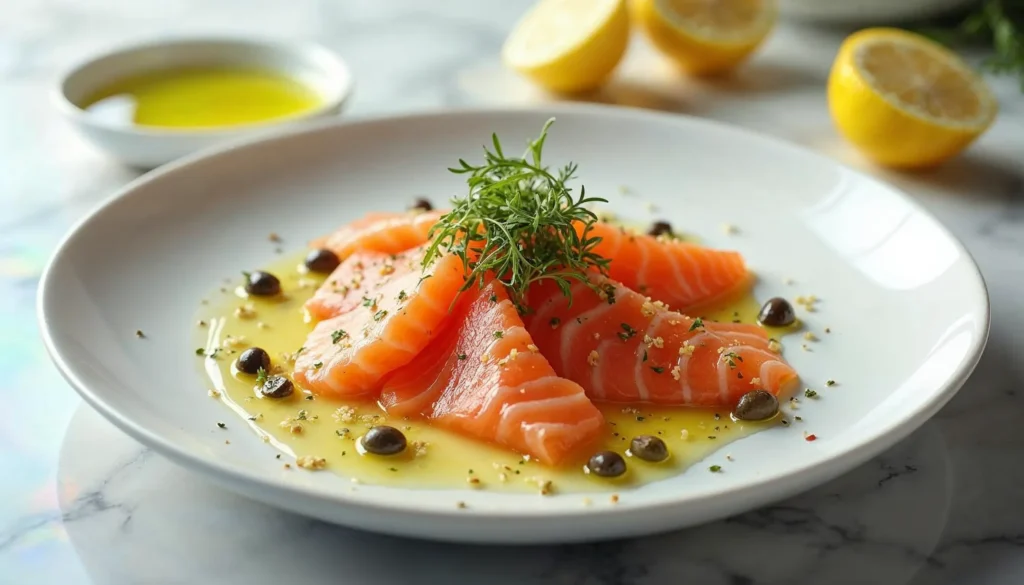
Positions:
(869, 11)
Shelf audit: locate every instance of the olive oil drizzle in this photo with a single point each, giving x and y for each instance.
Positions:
(434, 458)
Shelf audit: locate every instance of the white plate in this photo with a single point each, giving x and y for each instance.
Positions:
(905, 304)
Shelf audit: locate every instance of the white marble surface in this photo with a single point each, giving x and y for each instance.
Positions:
(82, 503)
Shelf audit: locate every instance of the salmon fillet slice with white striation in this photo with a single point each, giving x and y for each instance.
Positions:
(485, 378)
(683, 275)
(622, 347)
(388, 233)
(348, 355)
(358, 280)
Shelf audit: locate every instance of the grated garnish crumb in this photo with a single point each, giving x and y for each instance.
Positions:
(311, 463)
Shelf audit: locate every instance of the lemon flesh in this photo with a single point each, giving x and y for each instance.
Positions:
(569, 45)
(906, 101)
(706, 37)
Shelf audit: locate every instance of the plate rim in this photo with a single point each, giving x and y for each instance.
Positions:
(238, 478)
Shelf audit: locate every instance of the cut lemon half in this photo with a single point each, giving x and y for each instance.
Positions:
(904, 100)
(706, 37)
(569, 45)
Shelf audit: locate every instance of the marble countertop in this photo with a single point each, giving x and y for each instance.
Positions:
(82, 503)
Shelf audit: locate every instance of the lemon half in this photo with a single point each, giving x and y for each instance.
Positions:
(904, 100)
(706, 37)
(569, 45)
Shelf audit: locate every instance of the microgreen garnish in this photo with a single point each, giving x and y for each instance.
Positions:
(338, 335)
(609, 293)
(731, 358)
(627, 332)
(261, 376)
(521, 222)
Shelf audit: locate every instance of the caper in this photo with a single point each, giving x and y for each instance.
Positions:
(262, 284)
(757, 405)
(776, 312)
(277, 387)
(323, 261)
(252, 360)
(660, 228)
(383, 440)
(648, 448)
(607, 464)
(422, 204)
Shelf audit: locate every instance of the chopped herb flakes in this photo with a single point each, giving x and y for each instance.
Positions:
(318, 365)
(554, 322)
(338, 335)
(698, 322)
(627, 332)
(499, 334)
(462, 356)
(715, 468)
(658, 369)
(810, 393)
(379, 315)
(222, 425)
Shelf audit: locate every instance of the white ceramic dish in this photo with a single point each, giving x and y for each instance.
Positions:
(148, 147)
(905, 304)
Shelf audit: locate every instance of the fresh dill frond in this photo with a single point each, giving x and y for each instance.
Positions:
(521, 223)
(999, 23)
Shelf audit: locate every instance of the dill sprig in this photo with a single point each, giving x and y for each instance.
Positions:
(519, 222)
(999, 23)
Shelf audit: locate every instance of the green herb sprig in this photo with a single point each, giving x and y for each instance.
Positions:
(519, 221)
(996, 22)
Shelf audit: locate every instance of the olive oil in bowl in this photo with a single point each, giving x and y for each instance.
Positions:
(202, 98)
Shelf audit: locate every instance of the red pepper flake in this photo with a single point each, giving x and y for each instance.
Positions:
(811, 437)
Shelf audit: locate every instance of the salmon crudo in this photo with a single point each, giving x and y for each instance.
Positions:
(515, 316)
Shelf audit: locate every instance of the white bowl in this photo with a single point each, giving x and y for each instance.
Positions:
(147, 146)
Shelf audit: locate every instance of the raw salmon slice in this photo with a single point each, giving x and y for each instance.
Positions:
(389, 233)
(348, 355)
(359, 280)
(485, 378)
(683, 275)
(622, 347)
